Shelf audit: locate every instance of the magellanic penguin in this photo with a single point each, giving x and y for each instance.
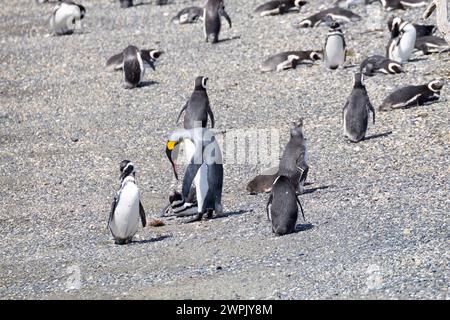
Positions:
(182, 207)
(379, 64)
(212, 12)
(403, 39)
(279, 7)
(263, 182)
(334, 51)
(126, 207)
(356, 111)
(188, 15)
(126, 3)
(431, 44)
(423, 30)
(116, 61)
(197, 108)
(293, 162)
(205, 169)
(413, 95)
(289, 59)
(402, 4)
(282, 206)
(66, 17)
(338, 14)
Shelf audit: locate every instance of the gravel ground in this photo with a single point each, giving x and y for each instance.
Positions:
(378, 210)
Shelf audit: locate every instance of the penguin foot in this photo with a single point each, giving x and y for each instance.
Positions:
(198, 217)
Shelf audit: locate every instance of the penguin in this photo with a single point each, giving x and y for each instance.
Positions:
(282, 206)
(279, 7)
(352, 3)
(182, 207)
(289, 59)
(402, 4)
(423, 30)
(338, 14)
(413, 95)
(126, 3)
(65, 17)
(188, 15)
(213, 10)
(197, 108)
(205, 169)
(378, 63)
(126, 208)
(403, 39)
(334, 51)
(293, 163)
(431, 44)
(355, 113)
(116, 61)
(263, 182)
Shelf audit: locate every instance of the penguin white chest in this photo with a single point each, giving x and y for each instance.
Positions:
(65, 18)
(404, 48)
(335, 51)
(126, 216)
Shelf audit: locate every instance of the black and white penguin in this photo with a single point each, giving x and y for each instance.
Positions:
(126, 3)
(293, 162)
(126, 207)
(352, 3)
(403, 39)
(431, 44)
(197, 108)
(379, 64)
(205, 169)
(66, 17)
(402, 4)
(413, 95)
(338, 14)
(334, 51)
(279, 7)
(282, 206)
(423, 30)
(212, 12)
(356, 111)
(289, 59)
(180, 206)
(188, 15)
(116, 61)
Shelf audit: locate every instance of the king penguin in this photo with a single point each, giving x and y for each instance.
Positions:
(126, 207)
(356, 111)
(212, 12)
(66, 15)
(403, 39)
(334, 51)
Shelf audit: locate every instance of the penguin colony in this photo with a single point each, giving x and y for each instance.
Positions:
(203, 179)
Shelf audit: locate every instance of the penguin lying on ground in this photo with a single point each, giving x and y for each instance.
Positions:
(423, 30)
(376, 63)
(282, 208)
(212, 12)
(338, 14)
(126, 207)
(403, 39)
(402, 4)
(356, 111)
(188, 15)
(279, 7)
(413, 95)
(431, 44)
(182, 207)
(289, 59)
(65, 17)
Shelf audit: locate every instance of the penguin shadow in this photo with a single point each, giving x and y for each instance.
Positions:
(312, 190)
(231, 213)
(303, 227)
(151, 240)
(144, 84)
(228, 39)
(378, 135)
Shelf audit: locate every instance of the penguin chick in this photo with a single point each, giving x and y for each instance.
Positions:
(376, 63)
(279, 7)
(293, 163)
(188, 15)
(413, 95)
(65, 17)
(197, 107)
(356, 111)
(213, 11)
(282, 208)
(289, 59)
(126, 207)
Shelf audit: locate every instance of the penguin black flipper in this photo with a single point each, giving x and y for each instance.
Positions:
(182, 110)
(113, 208)
(115, 62)
(211, 114)
(301, 208)
(142, 214)
(268, 207)
(224, 14)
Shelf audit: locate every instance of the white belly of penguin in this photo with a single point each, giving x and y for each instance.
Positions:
(405, 47)
(63, 20)
(126, 216)
(335, 51)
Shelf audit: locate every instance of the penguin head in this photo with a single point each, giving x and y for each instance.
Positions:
(82, 10)
(435, 85)
(330, 22)
(126, 169)
(296, 130)
(394, 24)
(299, 3)
(358, 80)
(200, 83)
(305, 23)
(315, 55)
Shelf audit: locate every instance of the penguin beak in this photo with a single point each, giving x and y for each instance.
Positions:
(170, 145)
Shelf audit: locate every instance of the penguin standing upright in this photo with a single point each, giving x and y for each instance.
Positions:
(293, 163)
(65, 17)
(403, 39)
(205, 169)
(126, 207)
(334, 51)
(212, 12)
(197, 107)
(282, 208)
(356, 111)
